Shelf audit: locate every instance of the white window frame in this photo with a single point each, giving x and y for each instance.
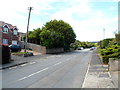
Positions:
(14, 42)
(15, 32)
(5, 27)
(5, 41)
(5, 30)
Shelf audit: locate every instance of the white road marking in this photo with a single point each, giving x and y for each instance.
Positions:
(23, 64)
(38, 71)
(33, 74)
(13, 67)
(57, 63)
(23, 78)
(86, 76)
(32, 62)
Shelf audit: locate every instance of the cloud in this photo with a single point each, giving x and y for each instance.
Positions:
(86, 21)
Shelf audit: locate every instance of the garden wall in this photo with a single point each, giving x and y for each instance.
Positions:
(54, 51)
(34, 47)
(114, 65)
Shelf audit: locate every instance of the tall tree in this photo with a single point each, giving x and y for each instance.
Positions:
(64, 29)
(51, 39)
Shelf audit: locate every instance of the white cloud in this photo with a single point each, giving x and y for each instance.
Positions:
(90, 28)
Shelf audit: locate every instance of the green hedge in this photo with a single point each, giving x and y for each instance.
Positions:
(111, 52)
(117, 38)
(105, 59)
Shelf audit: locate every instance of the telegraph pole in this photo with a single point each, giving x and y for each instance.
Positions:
(30, 8)
(103, 33)
(103, 37)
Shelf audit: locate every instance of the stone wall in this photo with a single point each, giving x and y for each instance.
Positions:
(34, 47)
(54, 50)
(114, 65)
(41, 49)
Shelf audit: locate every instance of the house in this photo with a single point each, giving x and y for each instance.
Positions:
(9, 33)
(21, 36)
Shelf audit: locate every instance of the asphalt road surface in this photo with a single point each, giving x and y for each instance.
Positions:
(65, 70)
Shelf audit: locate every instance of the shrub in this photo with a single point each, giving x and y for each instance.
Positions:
(105, 59)
(107, 52)
(114, 55)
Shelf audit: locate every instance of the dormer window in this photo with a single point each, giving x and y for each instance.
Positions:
(5, 28)
(15, 31)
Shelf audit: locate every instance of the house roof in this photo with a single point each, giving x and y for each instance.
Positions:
(11, 27)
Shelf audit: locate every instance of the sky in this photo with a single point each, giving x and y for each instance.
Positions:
(88, 18)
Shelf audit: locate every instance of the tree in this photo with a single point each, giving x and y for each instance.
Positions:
(36, 35)
(62, 28)
(104, 43)
(51, 39)
(33, 36)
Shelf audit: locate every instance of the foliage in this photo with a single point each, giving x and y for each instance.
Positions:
(51, 39)
(112, 51)
(78, 44)
(53, 34)
(104, 43)
(118, 38)
(105, 59)
(19, 53)
(62, 28)
(33, 36)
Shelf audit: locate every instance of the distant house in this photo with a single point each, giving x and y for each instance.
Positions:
(9, 33)
(21, 36)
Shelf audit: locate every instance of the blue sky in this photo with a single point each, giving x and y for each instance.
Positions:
(87, 17)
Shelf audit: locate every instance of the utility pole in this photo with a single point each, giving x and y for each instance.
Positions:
(103, 33)
(30, 8)
(103, 37)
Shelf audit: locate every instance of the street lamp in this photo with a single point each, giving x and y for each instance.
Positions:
(30, 8)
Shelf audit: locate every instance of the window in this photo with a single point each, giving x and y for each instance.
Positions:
(5, 29)
(15, 32)
(5, 41)
(14, 42)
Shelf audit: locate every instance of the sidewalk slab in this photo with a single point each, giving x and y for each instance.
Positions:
(97, 76)
(115, 77)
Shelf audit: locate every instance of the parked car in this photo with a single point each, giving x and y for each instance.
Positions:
(80, 48)
(6, 54)
(15, 48)
(92, 48)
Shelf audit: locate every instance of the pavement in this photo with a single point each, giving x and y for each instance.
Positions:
(97, 75)
(115, 77)
(19, 60)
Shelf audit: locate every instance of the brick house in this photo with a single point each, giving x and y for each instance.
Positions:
(9, 33)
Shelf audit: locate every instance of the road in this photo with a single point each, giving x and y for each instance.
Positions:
(65, 70)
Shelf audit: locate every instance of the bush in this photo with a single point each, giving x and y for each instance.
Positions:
(102, 52)
(108, 52)
(105, 59)
(114, 55)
